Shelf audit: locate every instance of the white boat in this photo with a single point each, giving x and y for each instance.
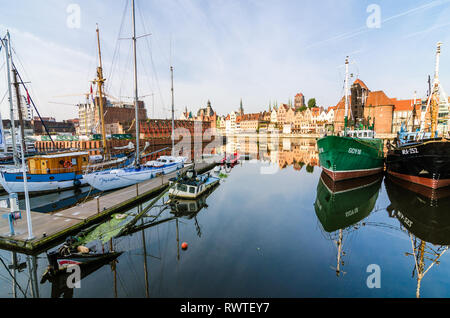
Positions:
(192, 185)
(119, 178)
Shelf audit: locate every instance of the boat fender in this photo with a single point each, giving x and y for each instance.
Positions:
(76, 183)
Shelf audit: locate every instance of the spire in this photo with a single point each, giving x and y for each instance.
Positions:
(241, 108)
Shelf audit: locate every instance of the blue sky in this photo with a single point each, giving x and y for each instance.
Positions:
(224, 50)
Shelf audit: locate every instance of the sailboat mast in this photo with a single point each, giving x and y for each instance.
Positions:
(173, 112)
(346, 96)
(135, 85)
(100, 81)
(7, 43)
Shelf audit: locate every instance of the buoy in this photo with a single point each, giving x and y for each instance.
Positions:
(184, 246)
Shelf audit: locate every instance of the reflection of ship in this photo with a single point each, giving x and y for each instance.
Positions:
(341, 205)
(59, 280)
(427, 220)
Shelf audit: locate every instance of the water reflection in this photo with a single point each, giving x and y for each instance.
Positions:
(340, 206)
(425, 214)
(242, 233)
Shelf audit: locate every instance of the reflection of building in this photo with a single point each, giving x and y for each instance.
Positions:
(302, 152)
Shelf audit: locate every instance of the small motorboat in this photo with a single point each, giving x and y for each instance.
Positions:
(191, 185)
(71, 253)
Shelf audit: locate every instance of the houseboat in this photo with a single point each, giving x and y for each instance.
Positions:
(48, 173)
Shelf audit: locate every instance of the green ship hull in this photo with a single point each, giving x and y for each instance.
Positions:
(347, 158)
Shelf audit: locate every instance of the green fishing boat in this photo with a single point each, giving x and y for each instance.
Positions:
(355, 154)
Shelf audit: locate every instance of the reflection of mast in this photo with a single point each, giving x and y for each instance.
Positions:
(178, 241)
(113, 268)
(422, 252)
(145, 262)
(341, 253)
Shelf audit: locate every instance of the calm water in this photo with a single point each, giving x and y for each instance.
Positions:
(272, 228)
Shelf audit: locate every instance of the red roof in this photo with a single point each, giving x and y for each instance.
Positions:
(405, 104)
(361, 83)
(378, 98)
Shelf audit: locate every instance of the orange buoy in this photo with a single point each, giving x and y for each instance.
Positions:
(184, 246)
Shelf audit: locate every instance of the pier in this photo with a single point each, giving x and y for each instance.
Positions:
(54, 228)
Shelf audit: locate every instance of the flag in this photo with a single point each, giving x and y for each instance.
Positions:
(92, 95)
(28, 98)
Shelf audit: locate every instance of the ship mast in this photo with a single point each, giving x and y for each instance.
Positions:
(100, 81)
(434, 98)
(7, 45)
(346, 97)
(135, 86)
(173, 112)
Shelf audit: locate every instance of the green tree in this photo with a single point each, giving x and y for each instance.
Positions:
(302, 108)
(311, 103)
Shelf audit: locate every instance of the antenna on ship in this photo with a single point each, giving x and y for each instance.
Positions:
(346, 97)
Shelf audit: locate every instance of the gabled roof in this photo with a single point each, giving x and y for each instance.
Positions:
(378, 98)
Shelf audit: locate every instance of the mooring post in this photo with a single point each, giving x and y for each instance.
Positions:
(98, 204)
(137, 189)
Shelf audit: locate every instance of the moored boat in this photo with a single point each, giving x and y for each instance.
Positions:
(48, 173)
(422, 156)
(355, 154)
(120, 178)
(192, 185)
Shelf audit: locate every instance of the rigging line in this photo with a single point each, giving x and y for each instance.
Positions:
(13, 278)
(126, 68)
(117, 48)
(1, 101)
(34, 105)
(145, 29)
(151, 56)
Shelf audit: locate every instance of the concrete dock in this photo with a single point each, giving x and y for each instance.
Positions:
(53, 228)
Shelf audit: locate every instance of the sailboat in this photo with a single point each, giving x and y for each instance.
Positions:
(119, 178)
(422, 156)
(48, 172)
(355, 154)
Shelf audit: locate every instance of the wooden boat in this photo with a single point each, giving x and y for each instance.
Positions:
(191, 185)
(48, 173)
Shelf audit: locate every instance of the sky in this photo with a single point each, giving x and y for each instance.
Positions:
(223, 50)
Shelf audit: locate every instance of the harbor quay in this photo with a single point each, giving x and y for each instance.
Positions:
(51, 228)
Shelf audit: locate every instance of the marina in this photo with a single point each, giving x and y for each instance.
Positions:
(323, 236)
(53, 227)
(209, 149)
